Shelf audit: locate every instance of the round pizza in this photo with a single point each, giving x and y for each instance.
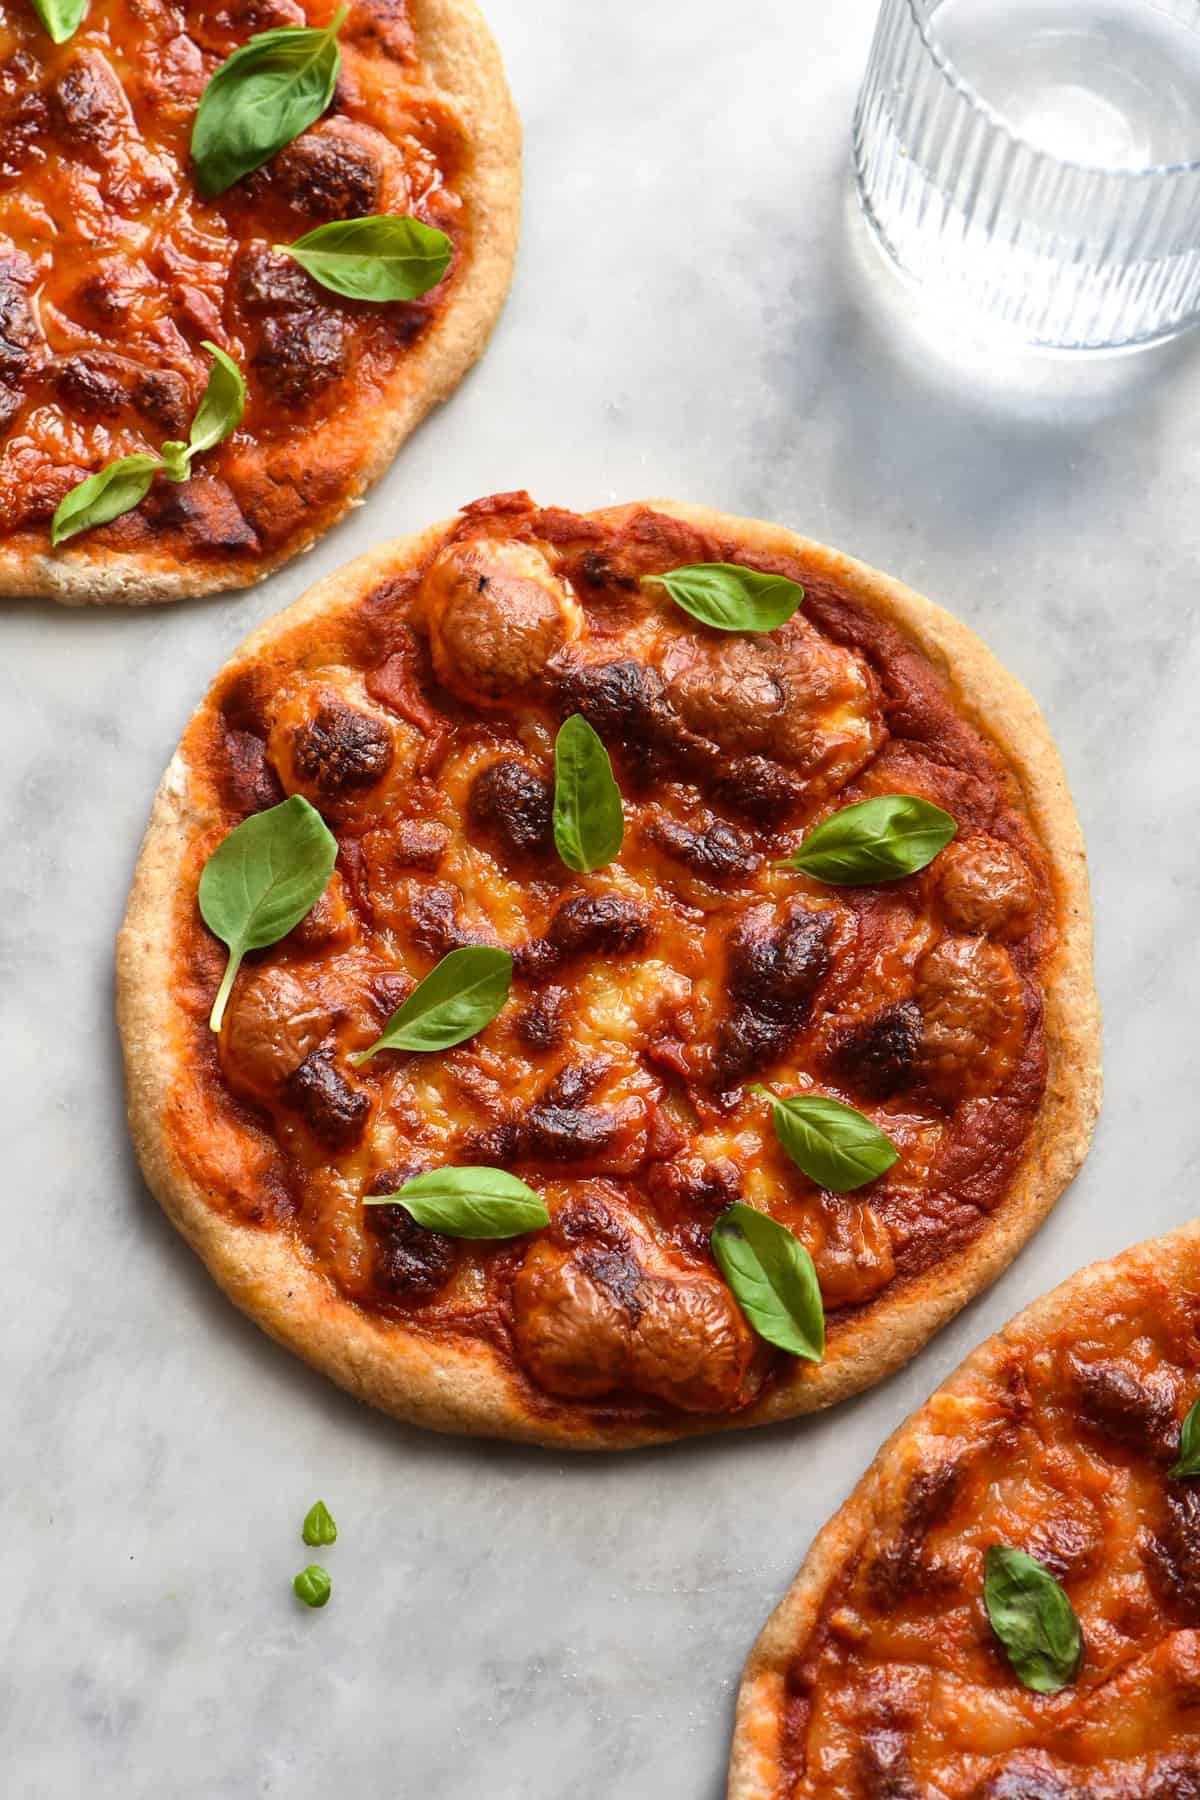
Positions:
(244, 248)
(1008, 1605)
(598, 978)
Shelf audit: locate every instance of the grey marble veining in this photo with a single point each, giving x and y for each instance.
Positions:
(693, 316)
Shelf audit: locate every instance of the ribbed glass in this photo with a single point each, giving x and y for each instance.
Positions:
(1041, 250)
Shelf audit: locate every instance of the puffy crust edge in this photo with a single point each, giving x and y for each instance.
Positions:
(756, 1771)
(454, 1387)
(463, 63)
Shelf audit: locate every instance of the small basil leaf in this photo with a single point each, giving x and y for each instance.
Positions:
(262, 879)
(1034, 1620)
(174, 454)
(318, 1527)
(773, 1280)
(1189, 1446)
(312, 1585)
(261, 97)
(103, 496)
(462, 995)
(731, 598)
(221, 405)
(589, 821)
(874, 840)
(60, 18)
(383, 257)
(835, 1146)
(469, 1203)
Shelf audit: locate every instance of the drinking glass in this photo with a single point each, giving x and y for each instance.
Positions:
(1034, 165)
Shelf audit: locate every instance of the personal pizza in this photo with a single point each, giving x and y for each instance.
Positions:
(598, 978)
(1008, 1605)
(244, 248)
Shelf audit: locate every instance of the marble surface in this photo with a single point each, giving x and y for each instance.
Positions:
(692, 315)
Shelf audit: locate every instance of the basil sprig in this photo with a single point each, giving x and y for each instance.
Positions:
(60, 18)
(836, 1146)
(312, 1585)
(1189, 1446)
(261, 880)
(457, 999)
(261, 97)
(318, 1527)
(382, 257)
(730, 597)
(1034, 1620)
(468, 1203)
(589, 821)
(125, 483)
(773, 1280)
(874, 840)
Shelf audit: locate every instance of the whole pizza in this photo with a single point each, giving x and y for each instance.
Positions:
(1008, 1605)
(244, 248)
(598, 978)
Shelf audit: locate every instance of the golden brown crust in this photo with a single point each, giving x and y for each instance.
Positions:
(463, 64)
(1070, 1311)
(466, 1387)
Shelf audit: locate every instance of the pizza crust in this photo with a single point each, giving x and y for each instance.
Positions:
(463, 65)
(756, 1770)
(450, 1387)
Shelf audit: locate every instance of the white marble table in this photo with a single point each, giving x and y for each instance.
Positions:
(689, 318)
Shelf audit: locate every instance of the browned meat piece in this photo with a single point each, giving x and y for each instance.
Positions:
(717, 852)
(877, 1056)
(1026, 1777)
(99, 384)
(273, 1022)
(884, 1769)
(898, 1566)
(341, 750)
(204, 509)
(332, 1108)
(1138, 1413)
(777, 960)
(496, 616)
(1172, 1554)
(514, 805)
(540, 1025)
(971, 1005)
(88, 102)
(335, 170)
(607, 924)
(267, 282)
(302, 354)
(986, 887)
(24, 115)
(411, 1263)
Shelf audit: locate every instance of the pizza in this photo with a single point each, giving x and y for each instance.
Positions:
(132, 251)
(1008, 1605)
(757, 1130)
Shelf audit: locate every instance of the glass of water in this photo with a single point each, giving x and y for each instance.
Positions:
(1035, 164)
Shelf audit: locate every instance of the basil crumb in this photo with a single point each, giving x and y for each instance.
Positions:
(312, 1585)
(318, 1527)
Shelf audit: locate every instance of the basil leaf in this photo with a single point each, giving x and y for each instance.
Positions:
(262, 879)
(1033, 1619)
(103, 496)
(174, 463)
(312, 1585)
(60, 17)
(221, 405)
(382, 257)
(262, 97)
(773, 1280)
(1189, 1446)
(731, 598)
(834, 1145)
(468, 1203)
(874, 840)
(589, 821)
(462, 995)
(318, 1526)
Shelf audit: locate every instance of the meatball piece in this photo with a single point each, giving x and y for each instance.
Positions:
(597, 923)
(338, 169)
(334, 1110)
(497, 614)
(89, 102)
(323, 745)
(717, 852)
(986, 888)
(514, 804)
(572, 1334)
(691, 1346)
(1172, 1554)
(1134, 1410)
(777, 960)
(411, 1262)
(273, 1022)
(971, 1011)
(877, 1056)
(1025, 1777)
(302, 354)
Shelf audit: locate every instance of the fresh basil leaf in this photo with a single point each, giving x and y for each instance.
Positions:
(1189, 1446)
(1033, 1619)
(731, 598)
(773, 1280)
(318, 1527)
(312, 1585)
(469, 1203)
(103, 496)
(174, 460)
(261, 97)
(382, 257)
(262, 879)
(61, 18)
(835, 1146)
(221, 405)
(457, 999)
(874, 840)
(589, 820)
